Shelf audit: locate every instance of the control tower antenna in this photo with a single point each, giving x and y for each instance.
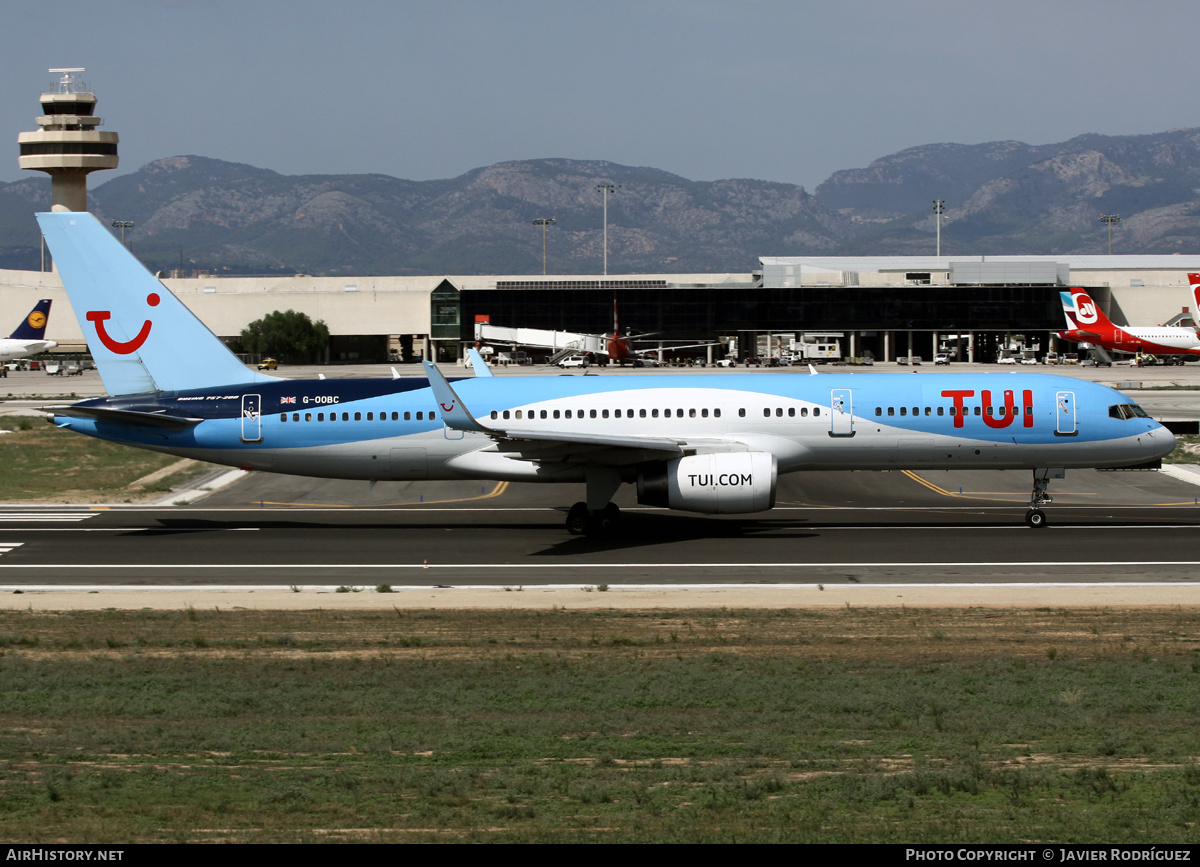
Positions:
(67, 145)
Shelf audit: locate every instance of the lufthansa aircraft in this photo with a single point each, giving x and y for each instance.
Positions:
(707, 443)
(1086, 323)
(30, 336)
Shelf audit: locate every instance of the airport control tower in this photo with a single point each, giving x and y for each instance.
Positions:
(67, 144)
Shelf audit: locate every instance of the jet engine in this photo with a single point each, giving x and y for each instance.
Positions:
(715, 484)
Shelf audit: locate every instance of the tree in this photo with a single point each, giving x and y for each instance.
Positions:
(287, 335)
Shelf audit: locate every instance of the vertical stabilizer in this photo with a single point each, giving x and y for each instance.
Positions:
(143, 338)
(33, 326)
(1087, 313)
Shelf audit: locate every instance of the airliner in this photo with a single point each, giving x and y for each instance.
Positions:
(30, 336)
(1086, 323)
(701, 443)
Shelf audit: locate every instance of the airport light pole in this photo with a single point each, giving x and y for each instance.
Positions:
(1110, 219)
(939, 208)
(544, 222)
(606, 188)
(122, 225)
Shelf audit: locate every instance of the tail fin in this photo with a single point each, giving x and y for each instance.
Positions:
(1194, 282)
(1068, 306)
(1087, 314)
(34, 325)
(143, 338)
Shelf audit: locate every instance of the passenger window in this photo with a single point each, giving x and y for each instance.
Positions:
(891, 410)
(592, 414)
(432, 416)
(717, 412)
(766, 412)
(358, 416)
(543, 413)
(641, 413)
(308, 416)
(603, 413)
(941, 410)
(295, 416)
(283, 416)
(704, 413)
(421, 415)
(320, 416)
(742, 412)
(804, 411)
(903, 410)
(395, 416)
(506, 414)
(408, 416)
(791, 412)
(370, 416)
(816, 410)
(616, 413)
(977, 412)
(556, 414)
(653, 413)
(568, 413)
(519, 415)
(495, 415)
(928, 410)
(878, 410)
(667, 412)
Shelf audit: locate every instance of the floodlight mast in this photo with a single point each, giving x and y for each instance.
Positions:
(544, 222)
(939, 208)
(607, 189)
(1110, 220)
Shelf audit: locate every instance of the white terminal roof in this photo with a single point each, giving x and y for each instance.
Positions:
(942, 263)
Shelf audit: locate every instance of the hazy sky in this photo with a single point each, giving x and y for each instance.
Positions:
(707, 89)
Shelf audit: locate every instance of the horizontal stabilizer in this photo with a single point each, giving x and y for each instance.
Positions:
(123, 416)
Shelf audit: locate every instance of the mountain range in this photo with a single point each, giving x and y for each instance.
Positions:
(1000, 198)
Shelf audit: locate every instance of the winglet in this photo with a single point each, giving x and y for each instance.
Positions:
(454, 413)
(812, 371)
(477, 363)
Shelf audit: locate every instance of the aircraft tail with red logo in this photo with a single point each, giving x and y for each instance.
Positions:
(1083, 315)
(143, 338)
(1194, 283)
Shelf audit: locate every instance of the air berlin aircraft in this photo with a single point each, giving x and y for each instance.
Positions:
(1086, 323)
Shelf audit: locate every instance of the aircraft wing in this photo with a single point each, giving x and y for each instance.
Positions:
(540, 444)
(124, 416)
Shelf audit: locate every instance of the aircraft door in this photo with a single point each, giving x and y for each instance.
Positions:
(1065, 402)
(841, 416)
(251, 418)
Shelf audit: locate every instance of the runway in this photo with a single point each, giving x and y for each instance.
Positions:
(830, 530)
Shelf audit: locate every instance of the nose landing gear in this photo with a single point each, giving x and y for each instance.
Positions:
(1035, 518)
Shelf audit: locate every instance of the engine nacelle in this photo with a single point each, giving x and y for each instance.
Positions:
(728, 483)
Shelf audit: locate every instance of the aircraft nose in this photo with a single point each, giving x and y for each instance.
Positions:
(1162, 441)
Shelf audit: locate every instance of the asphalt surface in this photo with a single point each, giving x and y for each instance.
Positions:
(829, 528)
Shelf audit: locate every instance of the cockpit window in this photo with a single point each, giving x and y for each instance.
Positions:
(1127, 410)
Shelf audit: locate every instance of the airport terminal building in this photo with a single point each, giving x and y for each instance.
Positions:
(876, 307)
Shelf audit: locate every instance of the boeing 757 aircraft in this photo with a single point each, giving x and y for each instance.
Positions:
(709, 443)
(30, 336)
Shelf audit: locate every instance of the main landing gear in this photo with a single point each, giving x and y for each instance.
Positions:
(1035, 518)
(598, 516)
(583, 521)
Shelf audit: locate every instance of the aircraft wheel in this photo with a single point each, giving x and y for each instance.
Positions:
(577, 519)
(1036, 519)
